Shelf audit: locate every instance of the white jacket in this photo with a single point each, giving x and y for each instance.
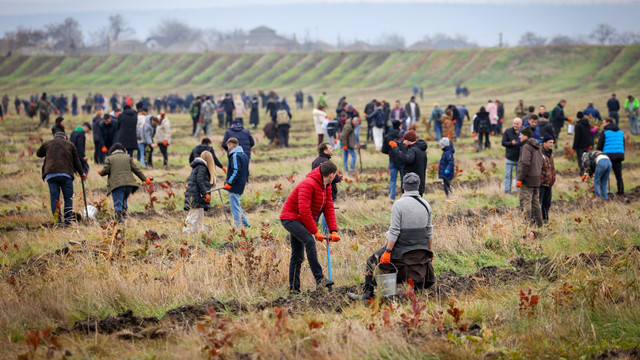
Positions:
(319, 117)
(163, 131)
(240, 109)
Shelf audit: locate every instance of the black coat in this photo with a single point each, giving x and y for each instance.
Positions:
(512, 152)
(79, 139)
(254, 117)
(245, 140)
(108, 133)
(393, 135)
(95, 126)
(414, 159)
(197, 151)
(582, 137)
(197, 186)
(557, 116)
(482, 124)
(127, 126)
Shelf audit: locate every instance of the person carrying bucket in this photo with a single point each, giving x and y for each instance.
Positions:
(408, 248)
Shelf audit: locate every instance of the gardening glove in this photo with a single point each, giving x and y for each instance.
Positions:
(385, 258)
(474, 135)
(83, 176)
(501, 121)
(590, 147)
(518, 184)
(104, 149)
(99, 171)
(573, 151)
(227, 186)
(165, 143)
(224, 169)
(344, 147)
(569, 120)
(584, 177)
(492, 133)
(199, 120)
(455, 121)
(392, 144)
(207, 198)
(447, 171)
(148, 181)
(1, 118)
(319, 236)
(334, 236)
(329, 118)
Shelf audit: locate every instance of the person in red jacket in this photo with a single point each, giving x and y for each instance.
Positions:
(310, 198)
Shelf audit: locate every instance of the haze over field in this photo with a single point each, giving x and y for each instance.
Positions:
(481, 22)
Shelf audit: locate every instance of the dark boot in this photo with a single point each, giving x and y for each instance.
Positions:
(368, 290)
(119, 216)
(418, 287)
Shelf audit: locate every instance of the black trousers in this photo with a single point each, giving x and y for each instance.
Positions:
(283, 135)
(616, 166)
(229, 118)
(545, 202)
(301, 241)
(165, 154)
(195, 124)
(487, 143)
(98, 156)
(579, 153)
(446, 184)
(557, 129)
(148, 156)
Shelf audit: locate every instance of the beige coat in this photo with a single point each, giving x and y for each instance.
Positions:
(318, 119)
(241, 111)
(163, 131)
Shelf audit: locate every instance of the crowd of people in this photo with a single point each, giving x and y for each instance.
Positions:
(124, 140)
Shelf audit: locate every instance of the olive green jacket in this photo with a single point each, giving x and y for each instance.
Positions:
(120, 168)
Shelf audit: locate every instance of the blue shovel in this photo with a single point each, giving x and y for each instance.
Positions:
(329, 262)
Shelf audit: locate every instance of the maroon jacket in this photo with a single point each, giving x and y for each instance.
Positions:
(308, 200)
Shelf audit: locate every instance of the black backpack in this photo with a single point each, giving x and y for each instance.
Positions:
(332, 128)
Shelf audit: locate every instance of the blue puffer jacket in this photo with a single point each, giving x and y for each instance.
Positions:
(447, 163)
(237, 170)
(611, 142)
(243, 135)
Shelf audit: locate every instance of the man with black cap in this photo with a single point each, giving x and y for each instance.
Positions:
(413, 157)
(613, 105)
(547, 175)
(582, 138)
(79, 139)
(229, 108)
(529, 170)
(243, 135)
(127, 129)
(408, 245)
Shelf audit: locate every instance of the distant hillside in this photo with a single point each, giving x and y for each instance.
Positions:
(547, 69)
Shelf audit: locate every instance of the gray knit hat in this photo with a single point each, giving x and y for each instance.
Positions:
(445, 141)
(411, 182)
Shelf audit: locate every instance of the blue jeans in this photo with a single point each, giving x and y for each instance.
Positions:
(633, 121)
(395, 169)
(236, 211)
(509, 166)
(437, 127)
(141, 154)
(64, 184)
(458, 126)
(356, 131)
(120, 196)
(601, 178)
(345, 157)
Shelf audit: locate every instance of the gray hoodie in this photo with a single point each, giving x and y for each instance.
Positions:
(413, 221)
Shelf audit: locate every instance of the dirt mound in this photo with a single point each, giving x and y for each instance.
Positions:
(126, 325)
(334, 301)
(189, 314)
(633, 353)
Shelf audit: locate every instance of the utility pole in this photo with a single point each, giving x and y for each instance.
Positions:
(500, 43)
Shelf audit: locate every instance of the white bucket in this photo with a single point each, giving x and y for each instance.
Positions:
(91, 212)
(387, 283)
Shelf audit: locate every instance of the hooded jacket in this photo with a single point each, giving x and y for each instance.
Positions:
(238, 170)
(197, 186)
(530, 164)
(482, 124)
(447, 162)
(60, 156)
(127, 126)
(206, 111)
(310, 198)
(243, 135)
(414, 159)
(108, 133)
(611, 142)
(120, 168)
(79, 139)
(195, 153)
(318, 119)
(348, 137)
(582, 138)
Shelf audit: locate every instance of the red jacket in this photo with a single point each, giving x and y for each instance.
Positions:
(310, 198)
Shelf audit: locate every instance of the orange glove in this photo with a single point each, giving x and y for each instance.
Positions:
(590, 147)
(83, 176)
(319, 236)
(364, 114)
(492, 133)
(385, 258)
(227, 186)
(165, 143)
(57, 112)
(474, 135)
(584, 177)
(162, 115)
(224, 169)
(1, 118)
(501, 121)
(335, 141)
(569, 120)
(148, 181)
(104, 149)
(596, 127)
(207, 198)
(329, 118)
(392, 144)
(99, 171)
(344, 147)
(334, 236)
(199, 120)
(518, 184)
(573, 151)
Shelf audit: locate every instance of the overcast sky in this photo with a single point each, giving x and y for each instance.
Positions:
(480, 21)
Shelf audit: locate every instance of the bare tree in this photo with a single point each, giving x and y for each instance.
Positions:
(531, 39)
(603, 34)
(118, 28)
(562, 40)
(23, 37)
(66, 35)
(627, 38)
(170, 31)
(391, 42)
